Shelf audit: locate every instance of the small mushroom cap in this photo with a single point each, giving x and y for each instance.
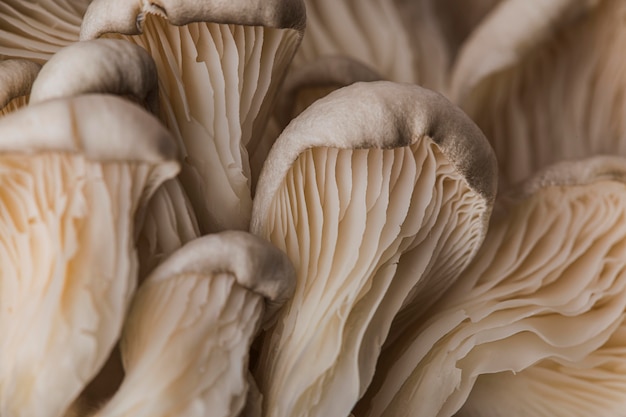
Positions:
(99, 66)
(16, 79)
(256, 264)
(124, 16)
(101, 127)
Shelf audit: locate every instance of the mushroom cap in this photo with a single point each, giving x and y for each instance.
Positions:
(122, 16)
(99, 66)
(406, 114)
(76, 125)
(256, 264)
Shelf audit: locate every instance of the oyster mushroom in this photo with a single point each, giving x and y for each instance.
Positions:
(73, 196)
(188, 334)
(117, 67)
(16, 80)
(380, 194)
(219, 71)
(546, 82)
(535, 325)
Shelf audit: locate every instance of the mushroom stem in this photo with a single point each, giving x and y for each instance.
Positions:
(186, 341)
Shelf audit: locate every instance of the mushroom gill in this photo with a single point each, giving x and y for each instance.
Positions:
(72, 200)
(187, 337)
(367, 31)
(219, 71)
(535, 325)
(379, 193)
(35, 30)
(16, 80)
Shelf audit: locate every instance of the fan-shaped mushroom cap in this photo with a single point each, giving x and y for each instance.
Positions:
(545, 82)
(122, 16)
(379, 193)
(72, 194)
(99, 66)
(16, 79)
(255, 264)
(535, 325)
(218, 78)
(187, 337)
(37, 30)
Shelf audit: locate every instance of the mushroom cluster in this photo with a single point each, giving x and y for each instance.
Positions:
(266, 208)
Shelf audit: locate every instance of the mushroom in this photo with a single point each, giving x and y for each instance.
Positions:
(16, 79)
(73, 196)
(545, 82)
(186, 340)
(219, 72)
(37, 30)
(535, 325)
(114, 66)
(380, 194)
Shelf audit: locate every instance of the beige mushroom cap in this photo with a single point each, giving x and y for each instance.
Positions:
(123, 16)
(256, 264)
(406, 113)
(99, 126)
(106, 66)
